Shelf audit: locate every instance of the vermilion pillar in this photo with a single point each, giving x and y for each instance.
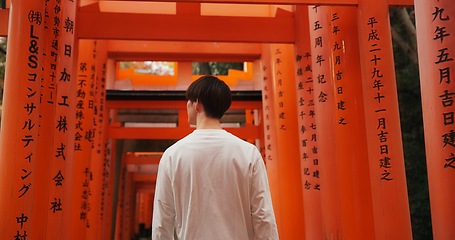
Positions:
(270, 143)
(108, 182)
(103, 144)
(122, 193)
(286, 130)
(138, 210)
(109, 169)
(130, 206)
(20, 120)
(114, 155)
(350, 141)
(306, 119)
(148, 216)
(129, 195)
(46, 130)
(77, 221)
(249, 121)
(388, 179)
(324, 105)
(63, 81)
(144, 209)
(436, 60)
(97, 161)
(109, 154)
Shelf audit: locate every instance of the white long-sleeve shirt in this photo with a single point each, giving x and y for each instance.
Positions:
(212, 185)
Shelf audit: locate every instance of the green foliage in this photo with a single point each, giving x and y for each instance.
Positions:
(408, 84)
(2, 59)
(215, 68)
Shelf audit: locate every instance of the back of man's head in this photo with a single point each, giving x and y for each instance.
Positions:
(212, 93)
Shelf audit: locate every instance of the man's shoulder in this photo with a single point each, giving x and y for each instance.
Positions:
(240, 142)
(179, 143)
(227, 139)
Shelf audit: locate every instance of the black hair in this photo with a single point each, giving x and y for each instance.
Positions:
(213, 93)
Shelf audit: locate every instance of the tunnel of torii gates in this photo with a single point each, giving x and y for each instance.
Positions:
(321, 105)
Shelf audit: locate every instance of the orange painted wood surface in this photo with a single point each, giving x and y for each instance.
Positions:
(436, 47)
(120, 232)
(350, 147)
(190, 51)
(78, 220)
(4, 20)
(20, 122)
(188, 8)
(383, 131)
(132, 210)
(115, 131)
(97, 160)
(144, 177)
(46, 132)
(323, 91)
(128, 26)
(287, 155)
(108, 181)
(63, 120)
(270, 143)
(308, 145)
(103, 148)
(143, 157)
(128, 207)
(194, 10)
(296, 2)
(284, 2)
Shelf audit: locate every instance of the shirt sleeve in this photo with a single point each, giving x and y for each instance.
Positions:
(163, 207)
(264, 222)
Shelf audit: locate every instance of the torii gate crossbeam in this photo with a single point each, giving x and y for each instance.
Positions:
(286, 2)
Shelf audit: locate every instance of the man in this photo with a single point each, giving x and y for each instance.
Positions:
(212, 185)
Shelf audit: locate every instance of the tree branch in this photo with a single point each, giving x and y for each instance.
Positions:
(408, 25)
(410, 52)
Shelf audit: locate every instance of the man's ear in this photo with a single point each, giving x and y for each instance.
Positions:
(199, 106)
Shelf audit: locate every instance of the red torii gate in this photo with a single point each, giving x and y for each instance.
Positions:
(20, 219)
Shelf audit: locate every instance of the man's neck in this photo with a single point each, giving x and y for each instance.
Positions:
(204, 122)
